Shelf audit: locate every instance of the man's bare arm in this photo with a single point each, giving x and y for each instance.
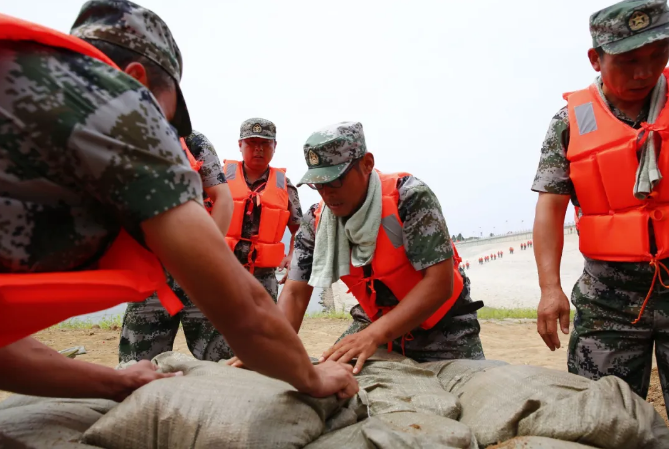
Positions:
(222, 210)
(548, 244)
(29, 367)
(235, 302)
(294, 300)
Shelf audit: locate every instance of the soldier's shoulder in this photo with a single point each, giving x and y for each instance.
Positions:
(198, 144)
(71, 86)
(560, 119)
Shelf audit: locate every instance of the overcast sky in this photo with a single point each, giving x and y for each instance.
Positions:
(459, 94)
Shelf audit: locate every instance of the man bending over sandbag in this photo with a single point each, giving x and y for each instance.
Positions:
(91, 165)
(385, 236)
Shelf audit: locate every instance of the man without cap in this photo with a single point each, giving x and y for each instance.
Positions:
(607, 151)
(87, 151)
(148, 329)
(385, 236)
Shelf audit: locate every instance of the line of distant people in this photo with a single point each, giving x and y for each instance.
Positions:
(500, 254)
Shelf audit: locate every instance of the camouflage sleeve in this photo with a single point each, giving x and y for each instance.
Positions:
(203, 150)
(426, 238)
(294, 204)
(124, 152)
(305, 240)
(553, 172)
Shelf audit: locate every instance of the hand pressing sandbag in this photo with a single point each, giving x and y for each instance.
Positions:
(519, 400)
(538, 443)
(454, 374)
(212, 405)
(404, 430)
(32, 422)
(389, 387)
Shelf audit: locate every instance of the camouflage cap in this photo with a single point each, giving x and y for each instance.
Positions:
(329, 151)
(629, 24)
(128, 25)
(257, 127)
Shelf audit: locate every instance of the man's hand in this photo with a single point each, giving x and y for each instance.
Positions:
(334, 378)
(235, 363)
(553, 306)
(361, 345)
(136, 376)
(285, 265)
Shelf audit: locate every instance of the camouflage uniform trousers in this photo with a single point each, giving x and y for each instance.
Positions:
(604, 341)
(148, 330)
(454, 337)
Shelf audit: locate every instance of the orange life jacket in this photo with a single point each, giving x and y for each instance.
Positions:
(390, 264)
(267, 250)
(127, 272)
(603, 160)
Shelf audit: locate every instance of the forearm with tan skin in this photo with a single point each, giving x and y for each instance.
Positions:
(237, 305)
(419, 304)
(223, 207)
(285, 263)
(548, 238)
(29, 367)
(294, 300)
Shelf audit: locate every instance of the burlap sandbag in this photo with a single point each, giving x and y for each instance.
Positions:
(538, 443)
(403, 430)
(454, 374)
(212, 405)
(37, 423)
(404, 386)
(519, 400)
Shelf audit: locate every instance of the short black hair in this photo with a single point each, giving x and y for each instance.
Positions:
(158, 78)
(600, 52)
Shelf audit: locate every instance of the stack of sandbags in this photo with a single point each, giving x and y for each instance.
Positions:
(501, 403)
(212, 405)
(30, 422)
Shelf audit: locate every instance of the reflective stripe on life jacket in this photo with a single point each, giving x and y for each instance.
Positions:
(603, 162)
(267, 250)
(390, 264)
(127, 272)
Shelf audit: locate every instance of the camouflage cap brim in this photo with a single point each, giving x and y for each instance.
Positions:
(637, 41)
(259, 136)
(323, 175)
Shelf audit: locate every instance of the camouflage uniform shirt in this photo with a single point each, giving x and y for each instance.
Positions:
(424, 232)
(251, 226)
(211, 171)
(84, 150)
(553, 177)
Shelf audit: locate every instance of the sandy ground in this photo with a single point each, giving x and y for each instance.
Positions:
(512, 281)
(513, 342)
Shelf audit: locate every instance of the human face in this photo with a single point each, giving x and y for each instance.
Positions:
(346, 194)
(257, 152)
(631, 76)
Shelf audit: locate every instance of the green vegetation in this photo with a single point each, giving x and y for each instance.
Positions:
(107, 323)
(489, 313)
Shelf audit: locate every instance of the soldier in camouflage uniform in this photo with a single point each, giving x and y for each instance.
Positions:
(609, 295)
(334, 156)
(258, 136)
(86, 150)
(148, 330)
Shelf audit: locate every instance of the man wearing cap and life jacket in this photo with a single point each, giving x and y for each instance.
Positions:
(93, 174)
(608, 150)
(265, 204)
(384, 235)
(148, 328)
